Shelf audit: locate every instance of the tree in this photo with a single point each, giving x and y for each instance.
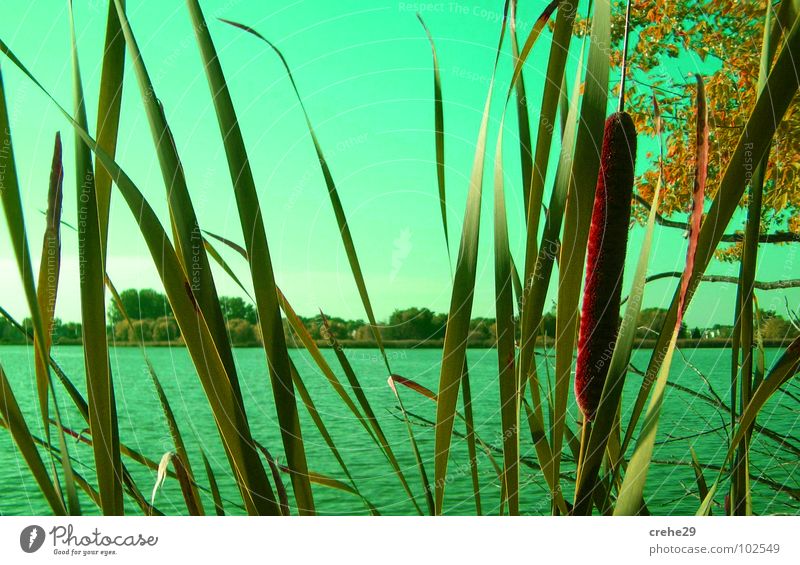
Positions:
(650, 322)
(413, 323)
(242, 332)
(142, 330)
(337, 328)
(121, 331)
(363, 333)
(234, 307)
(722, 40)
(140, 305)
(482, 329)
(9, 334)
(165, 329)
(778, 328)
(67, 332)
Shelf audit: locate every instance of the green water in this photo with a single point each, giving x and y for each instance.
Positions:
(671, 489)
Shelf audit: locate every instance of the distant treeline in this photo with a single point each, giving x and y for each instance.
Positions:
(150, 320)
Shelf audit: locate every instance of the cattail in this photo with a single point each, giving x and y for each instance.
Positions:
(605, 261)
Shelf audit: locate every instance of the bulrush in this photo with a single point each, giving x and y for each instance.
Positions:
(608, 239)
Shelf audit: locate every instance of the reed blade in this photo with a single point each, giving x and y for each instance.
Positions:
(523, 118)
(606, 417)
(577, 216)
(253, 484)
(194, 505)
(109, 107)
(630, 498)
(259, 258)
(333, 193)
(47, 292)
(184, 222)
(212, 484)
(770, 107)
(99, 381)
(455, 340)
(741, 499)
(20, 433)
(504, 304)
(438, 112)
(379, 435)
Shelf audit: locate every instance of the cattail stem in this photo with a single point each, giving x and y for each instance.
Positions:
(621, 105)
(586, 432)
(605, 261)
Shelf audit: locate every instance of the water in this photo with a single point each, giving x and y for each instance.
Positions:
(686, 422)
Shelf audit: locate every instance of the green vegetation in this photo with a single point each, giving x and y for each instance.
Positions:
(589, 468)
(152, 322)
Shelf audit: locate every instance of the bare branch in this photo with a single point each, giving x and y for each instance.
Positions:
(761, 285)
(775, 237)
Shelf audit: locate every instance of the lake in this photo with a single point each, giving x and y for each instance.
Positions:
(686, 422)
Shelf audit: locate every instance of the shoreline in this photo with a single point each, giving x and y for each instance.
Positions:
(723, 343)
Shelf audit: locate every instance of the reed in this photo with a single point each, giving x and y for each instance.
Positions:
(605, 262)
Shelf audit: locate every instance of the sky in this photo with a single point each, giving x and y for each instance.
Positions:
(364, 70)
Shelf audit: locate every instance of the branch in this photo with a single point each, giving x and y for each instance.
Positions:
(776, 237)
(760, 285)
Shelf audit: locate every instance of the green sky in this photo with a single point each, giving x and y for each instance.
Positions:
(364, 69)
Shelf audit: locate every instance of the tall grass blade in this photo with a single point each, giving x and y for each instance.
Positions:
(741, 502)
(109, 107)
(185, 226)
(258, 256)
(577, 218)
(15, 422)
(413, 385)
(232, 425)
(47, 292)
(368, 419)
(470, 437)
(358, 391)
(605, 422)
(455, 340)
(322, 428)
(770, 107)
(99, 382)
(629, 500)
(212, 251)
(49, 271)
(553, 91)
(195, 504)
(537, 281)
(57, 456)
(311, 346)
(423, 474)
(702, 486)
(83, 409)
(438, 112)
(510, 387)
(333, 193)
(12, 207)
(280, 487)
(330, 482)
(523, 118)
(787, 366)
(212, 484)
(504, 304)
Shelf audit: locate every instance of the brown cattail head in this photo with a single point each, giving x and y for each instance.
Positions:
(608, 239)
